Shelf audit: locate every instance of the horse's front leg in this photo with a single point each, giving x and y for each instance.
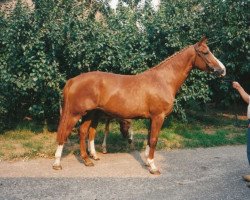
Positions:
(156, 124)
(84, 128)
(106, 132)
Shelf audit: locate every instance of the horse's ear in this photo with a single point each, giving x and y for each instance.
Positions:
(203, 40)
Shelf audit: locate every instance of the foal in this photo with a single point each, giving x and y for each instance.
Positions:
(124, 129)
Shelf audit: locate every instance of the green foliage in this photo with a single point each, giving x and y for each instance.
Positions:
(41, 48)
(231, 40)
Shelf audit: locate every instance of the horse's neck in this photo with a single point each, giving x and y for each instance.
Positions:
(176, 69)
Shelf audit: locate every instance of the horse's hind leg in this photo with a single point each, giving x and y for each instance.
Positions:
(92, 133)
(106, 132)
(84, 128)
(63, 137)
(57, 163)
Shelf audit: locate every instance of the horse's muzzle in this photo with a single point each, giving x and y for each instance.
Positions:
(217, 72)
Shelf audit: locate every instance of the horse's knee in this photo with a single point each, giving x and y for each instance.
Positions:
(153, 142)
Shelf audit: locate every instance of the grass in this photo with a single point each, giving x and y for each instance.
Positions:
(26, 141)
(204, 129)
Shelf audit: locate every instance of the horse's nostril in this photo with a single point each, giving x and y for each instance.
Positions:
(211, 69)
(222, 71)
(219, 72)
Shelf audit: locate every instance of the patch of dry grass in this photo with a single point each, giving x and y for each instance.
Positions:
(25, 144)
(203, 130)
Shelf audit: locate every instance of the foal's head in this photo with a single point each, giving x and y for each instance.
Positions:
(206, 61)
(124, 128)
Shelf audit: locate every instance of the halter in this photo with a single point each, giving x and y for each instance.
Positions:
(203, 57)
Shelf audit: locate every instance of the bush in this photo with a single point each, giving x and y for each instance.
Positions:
(42, 47)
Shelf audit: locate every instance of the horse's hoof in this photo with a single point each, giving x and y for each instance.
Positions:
(154, 171)
(88, 162)
(146, 164)
(94, 157)
(104, 151)
(57, 167)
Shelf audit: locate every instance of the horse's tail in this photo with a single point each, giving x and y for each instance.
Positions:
(64, 116)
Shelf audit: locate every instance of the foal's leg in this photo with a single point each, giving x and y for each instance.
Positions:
(148, 141)
(130, 132)
(92, 133)
(106, 132)
(147, 150)
(156, 124)
(84, 128)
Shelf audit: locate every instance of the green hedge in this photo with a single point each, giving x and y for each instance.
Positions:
(41, 48)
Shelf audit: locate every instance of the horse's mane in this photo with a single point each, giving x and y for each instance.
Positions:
(169, 58)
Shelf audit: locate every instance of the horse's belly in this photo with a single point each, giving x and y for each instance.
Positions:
(126, 109)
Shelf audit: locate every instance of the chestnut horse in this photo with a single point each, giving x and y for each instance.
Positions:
(150, 95)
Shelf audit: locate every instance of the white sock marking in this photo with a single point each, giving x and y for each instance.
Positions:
(151, 164)
(147, 151)
(58, 155)
(104, 144)
(92, 147)
(131, 135)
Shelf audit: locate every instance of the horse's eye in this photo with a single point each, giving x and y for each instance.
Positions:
(205, 53)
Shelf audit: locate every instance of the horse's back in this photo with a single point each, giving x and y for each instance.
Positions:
(127, 96)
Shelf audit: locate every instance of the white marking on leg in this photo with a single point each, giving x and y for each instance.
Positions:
(131, 135)
(147, 151)
(92, 149)
(89, 148)
(92, 146)
(104, 144)
(58, 155)
(151, 164)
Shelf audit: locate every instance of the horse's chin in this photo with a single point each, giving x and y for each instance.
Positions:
(223, 74)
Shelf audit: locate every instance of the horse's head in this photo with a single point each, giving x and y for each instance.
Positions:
(206, 61)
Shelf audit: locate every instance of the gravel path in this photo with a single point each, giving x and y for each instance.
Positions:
(211, 173)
